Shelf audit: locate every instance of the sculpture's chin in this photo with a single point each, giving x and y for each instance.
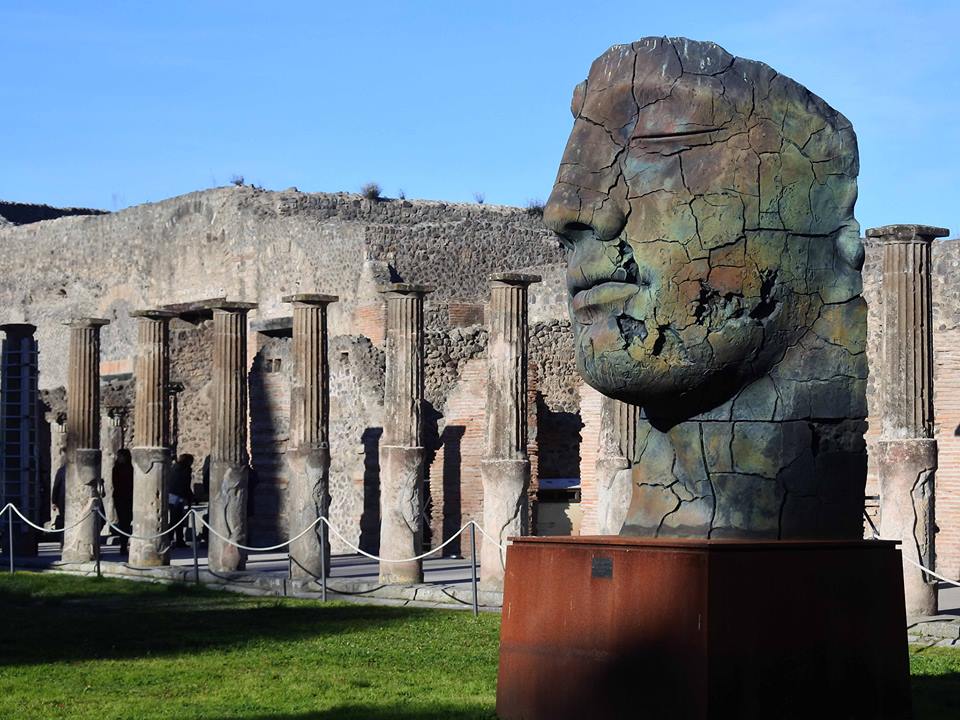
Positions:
(669, 393)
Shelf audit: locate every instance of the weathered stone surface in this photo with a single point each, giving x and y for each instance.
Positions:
(151, 467)
(907, 454)
(308, 455)
(229, 460)
(151, 450)
(505, 515)
(618, 426)
(505, 470)
(83, 441)
(714, 281)
(401, 451)
(401, 514)
(906, 511)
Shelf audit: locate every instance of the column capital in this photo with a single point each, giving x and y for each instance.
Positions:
(231, 306)
(18, 329)
(310, 299)
(153, 314)
(513, 278)
(907, 233)
(401, 289)
(86, 322)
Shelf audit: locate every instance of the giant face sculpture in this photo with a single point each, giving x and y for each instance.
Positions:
(708, 205)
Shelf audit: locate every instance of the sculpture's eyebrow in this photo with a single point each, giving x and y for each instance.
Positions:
(677, 134)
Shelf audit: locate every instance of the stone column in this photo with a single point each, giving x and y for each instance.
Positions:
(151, 443)
(505, 468)
(401, 448)
(111, 442)
(229, 459)
(907, 452)
(308, 450)
(83, 440)
(618, 430)
(19, 453)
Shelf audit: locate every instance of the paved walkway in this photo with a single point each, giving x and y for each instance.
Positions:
(353, 577)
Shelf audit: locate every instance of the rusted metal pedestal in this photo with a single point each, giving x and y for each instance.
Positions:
(619, 627)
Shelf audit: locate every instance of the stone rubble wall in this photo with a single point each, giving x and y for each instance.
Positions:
(254, 245)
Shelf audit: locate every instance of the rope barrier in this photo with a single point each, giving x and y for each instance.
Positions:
(346, 542)
(143, 537)
(13, 508)
(876, 536)
(249, 548)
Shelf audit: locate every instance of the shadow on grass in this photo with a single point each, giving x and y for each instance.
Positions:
(72, 619)
(936, 697)
(376, 712)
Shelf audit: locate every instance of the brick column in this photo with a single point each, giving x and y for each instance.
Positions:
(308, 450)
(151, 442)
(229, 458)
(618, 430)
(401, 449)
(19, 452)
(907, 451)
(83, 440)
(505, 469)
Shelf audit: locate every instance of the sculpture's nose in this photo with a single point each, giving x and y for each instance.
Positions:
(576, 218)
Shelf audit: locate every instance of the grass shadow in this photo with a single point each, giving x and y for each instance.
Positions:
(64, 619)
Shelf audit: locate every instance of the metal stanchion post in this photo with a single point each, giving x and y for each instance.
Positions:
(193, 539)
(96, 541)
(323, 561)
(473, 567)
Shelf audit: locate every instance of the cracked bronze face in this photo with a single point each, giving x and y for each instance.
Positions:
(707, 202)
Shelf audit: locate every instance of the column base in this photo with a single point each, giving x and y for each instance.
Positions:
(612, 627)
(150, 468)
(228, 515)
(505, 484)
(906, 473)
(80, 541)
(401, 507)
(308, 486)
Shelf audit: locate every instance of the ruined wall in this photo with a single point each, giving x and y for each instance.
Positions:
(254, 245)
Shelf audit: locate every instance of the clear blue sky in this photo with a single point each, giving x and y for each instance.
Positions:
(109, 104)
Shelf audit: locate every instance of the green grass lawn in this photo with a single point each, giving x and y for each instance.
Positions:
(86, 648)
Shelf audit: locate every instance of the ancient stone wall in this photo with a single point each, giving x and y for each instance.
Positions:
(254, 245)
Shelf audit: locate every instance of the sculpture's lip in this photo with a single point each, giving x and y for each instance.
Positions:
(602, 294)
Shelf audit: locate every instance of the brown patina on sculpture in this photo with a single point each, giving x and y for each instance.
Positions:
(714, 281)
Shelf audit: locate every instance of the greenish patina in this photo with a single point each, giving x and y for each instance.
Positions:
(714, 280)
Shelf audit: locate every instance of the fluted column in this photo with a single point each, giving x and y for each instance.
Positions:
(83, 440)
(907, 452)
(229, 459)
(505, 469)
(308, 450)
(19, 453)
(151, 444)
(401, 449)
(618, 430)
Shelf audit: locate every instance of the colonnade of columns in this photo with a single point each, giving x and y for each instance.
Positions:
(505, 471)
